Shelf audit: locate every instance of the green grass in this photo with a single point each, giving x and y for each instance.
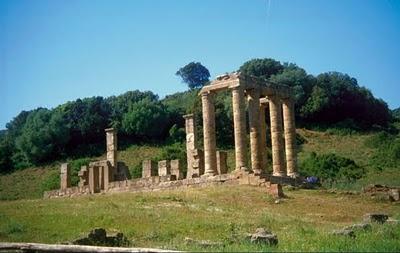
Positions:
(223, 214)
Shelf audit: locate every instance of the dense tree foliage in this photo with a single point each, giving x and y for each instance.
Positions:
(328, 98)
(396, 113)
(194, 75)
(76, 128)
(145, 119)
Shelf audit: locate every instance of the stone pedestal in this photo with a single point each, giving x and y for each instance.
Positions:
(111, 140)
(275, 111)
(210, 159)
(191, 146)
(255, 135)
(290, 137)
(65, 176)
(83, 175)
(197, 164)
(149, 168)
(94, 179)
(239, 123)
(164, 168)
(222, 166)
(176, 169)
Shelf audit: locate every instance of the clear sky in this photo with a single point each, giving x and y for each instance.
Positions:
(56, 51)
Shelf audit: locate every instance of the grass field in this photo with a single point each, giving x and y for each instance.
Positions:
(223, 214)
(303, 221)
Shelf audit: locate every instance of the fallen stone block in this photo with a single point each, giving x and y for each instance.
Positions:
(202, 243)
(359, 226)
(344, 232)
(98, 237)
(376, 217)
(263, 236)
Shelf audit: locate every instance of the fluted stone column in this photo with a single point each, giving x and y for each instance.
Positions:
(210, 158)
(239, 124)
(290, 137)
(275, 111)
(263, 135)
(255, 135)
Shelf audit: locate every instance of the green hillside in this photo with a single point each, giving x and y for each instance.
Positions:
(30, 183)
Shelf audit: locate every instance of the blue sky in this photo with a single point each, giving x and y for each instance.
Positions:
(56, 51)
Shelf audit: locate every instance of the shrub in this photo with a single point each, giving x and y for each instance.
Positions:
(52, 182)
(76, 167)
(331, 168)
(387, 150)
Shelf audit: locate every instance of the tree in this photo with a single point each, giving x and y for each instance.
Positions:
(263, 68)
(145, 119)
(43, 137)
(194, 75)
(298, 79)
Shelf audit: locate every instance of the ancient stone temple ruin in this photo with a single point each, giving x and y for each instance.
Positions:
(259, 97)
(208, 166)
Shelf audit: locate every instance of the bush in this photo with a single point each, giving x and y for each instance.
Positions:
(387, 150)
(172, 152)
(52, 182)
(331, 168)
(76, 167)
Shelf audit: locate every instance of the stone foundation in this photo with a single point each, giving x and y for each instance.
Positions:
(159, 183)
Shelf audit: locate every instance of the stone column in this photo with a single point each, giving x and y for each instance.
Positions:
(275, 111)
(290, 137)
(65, 176)
(210, 159)
(111, 139)
(191, 142)
(239, 124)
(255, 135)
(263, 135)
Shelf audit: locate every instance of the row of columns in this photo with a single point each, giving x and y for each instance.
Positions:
(257, 126)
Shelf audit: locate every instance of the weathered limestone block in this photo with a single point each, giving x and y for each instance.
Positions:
(276, 190)
(239, 123)
(65, 176)
(192, 155)
(176, 169)
(164, 168)
(111, 140)
(149, 168)
(83, 175)
(222, 166)
(94, 179)
(210, 158)
(197, 168)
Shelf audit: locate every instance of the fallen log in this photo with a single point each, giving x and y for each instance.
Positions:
(41, 247)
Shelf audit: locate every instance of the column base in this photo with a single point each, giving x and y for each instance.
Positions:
(208, 175)
(242, 168)
(278, 174)
(293, 175)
